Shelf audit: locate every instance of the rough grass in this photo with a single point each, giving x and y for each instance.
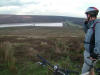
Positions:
(20, 54)
(19, 46)
(41, 32)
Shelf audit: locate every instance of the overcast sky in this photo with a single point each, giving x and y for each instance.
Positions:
(75, 8)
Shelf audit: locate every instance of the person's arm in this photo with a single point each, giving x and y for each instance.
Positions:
(97, 39)
(85, 26)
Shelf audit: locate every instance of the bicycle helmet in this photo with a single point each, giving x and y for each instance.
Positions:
(93, 11)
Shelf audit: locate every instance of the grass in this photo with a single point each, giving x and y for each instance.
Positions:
(32, 69)
(29, 69)
(41, 32)
(19, 46)
(19, 57)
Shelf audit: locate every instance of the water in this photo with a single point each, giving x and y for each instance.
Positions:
(32, 24)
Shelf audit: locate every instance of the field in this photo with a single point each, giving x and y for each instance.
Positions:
(20, 45)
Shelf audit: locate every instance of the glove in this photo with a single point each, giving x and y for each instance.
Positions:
(94, 56)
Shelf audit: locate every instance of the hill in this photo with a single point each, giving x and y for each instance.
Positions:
(6, 19)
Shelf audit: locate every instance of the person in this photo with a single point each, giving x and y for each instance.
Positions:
(92, 40)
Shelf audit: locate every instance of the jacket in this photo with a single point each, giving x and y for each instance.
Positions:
(88, 28)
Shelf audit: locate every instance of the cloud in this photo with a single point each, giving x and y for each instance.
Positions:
(9, 9)
(47, 7)
(51, 7)
(16, 2)
(9, 2)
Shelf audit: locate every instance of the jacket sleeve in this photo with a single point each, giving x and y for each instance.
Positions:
(85, 27)
(97, 39)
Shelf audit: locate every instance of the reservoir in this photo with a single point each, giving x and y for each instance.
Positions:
(32, 24)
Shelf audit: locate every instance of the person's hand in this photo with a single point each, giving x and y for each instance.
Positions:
(93, 56)
(93, 59)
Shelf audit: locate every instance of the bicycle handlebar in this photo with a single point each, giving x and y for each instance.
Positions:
(55, 68)
(44, 61)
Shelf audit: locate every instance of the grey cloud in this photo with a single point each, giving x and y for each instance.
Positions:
(9, 2)
(15, 3)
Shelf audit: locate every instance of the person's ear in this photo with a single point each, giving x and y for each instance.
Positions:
(88, 15)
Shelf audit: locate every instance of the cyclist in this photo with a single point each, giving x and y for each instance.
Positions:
(92, 40)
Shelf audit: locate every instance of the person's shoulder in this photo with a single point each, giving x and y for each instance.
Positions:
(97, 24)
(97, 20)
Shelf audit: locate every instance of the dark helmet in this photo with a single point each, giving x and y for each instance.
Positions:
(93, 11)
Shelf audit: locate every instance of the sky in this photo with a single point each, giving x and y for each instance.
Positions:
(73, 8)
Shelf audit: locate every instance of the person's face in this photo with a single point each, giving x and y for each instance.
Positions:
(88, 16)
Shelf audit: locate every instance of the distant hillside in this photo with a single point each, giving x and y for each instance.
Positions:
(5, 19)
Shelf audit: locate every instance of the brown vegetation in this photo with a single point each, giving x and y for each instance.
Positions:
(52, 43)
